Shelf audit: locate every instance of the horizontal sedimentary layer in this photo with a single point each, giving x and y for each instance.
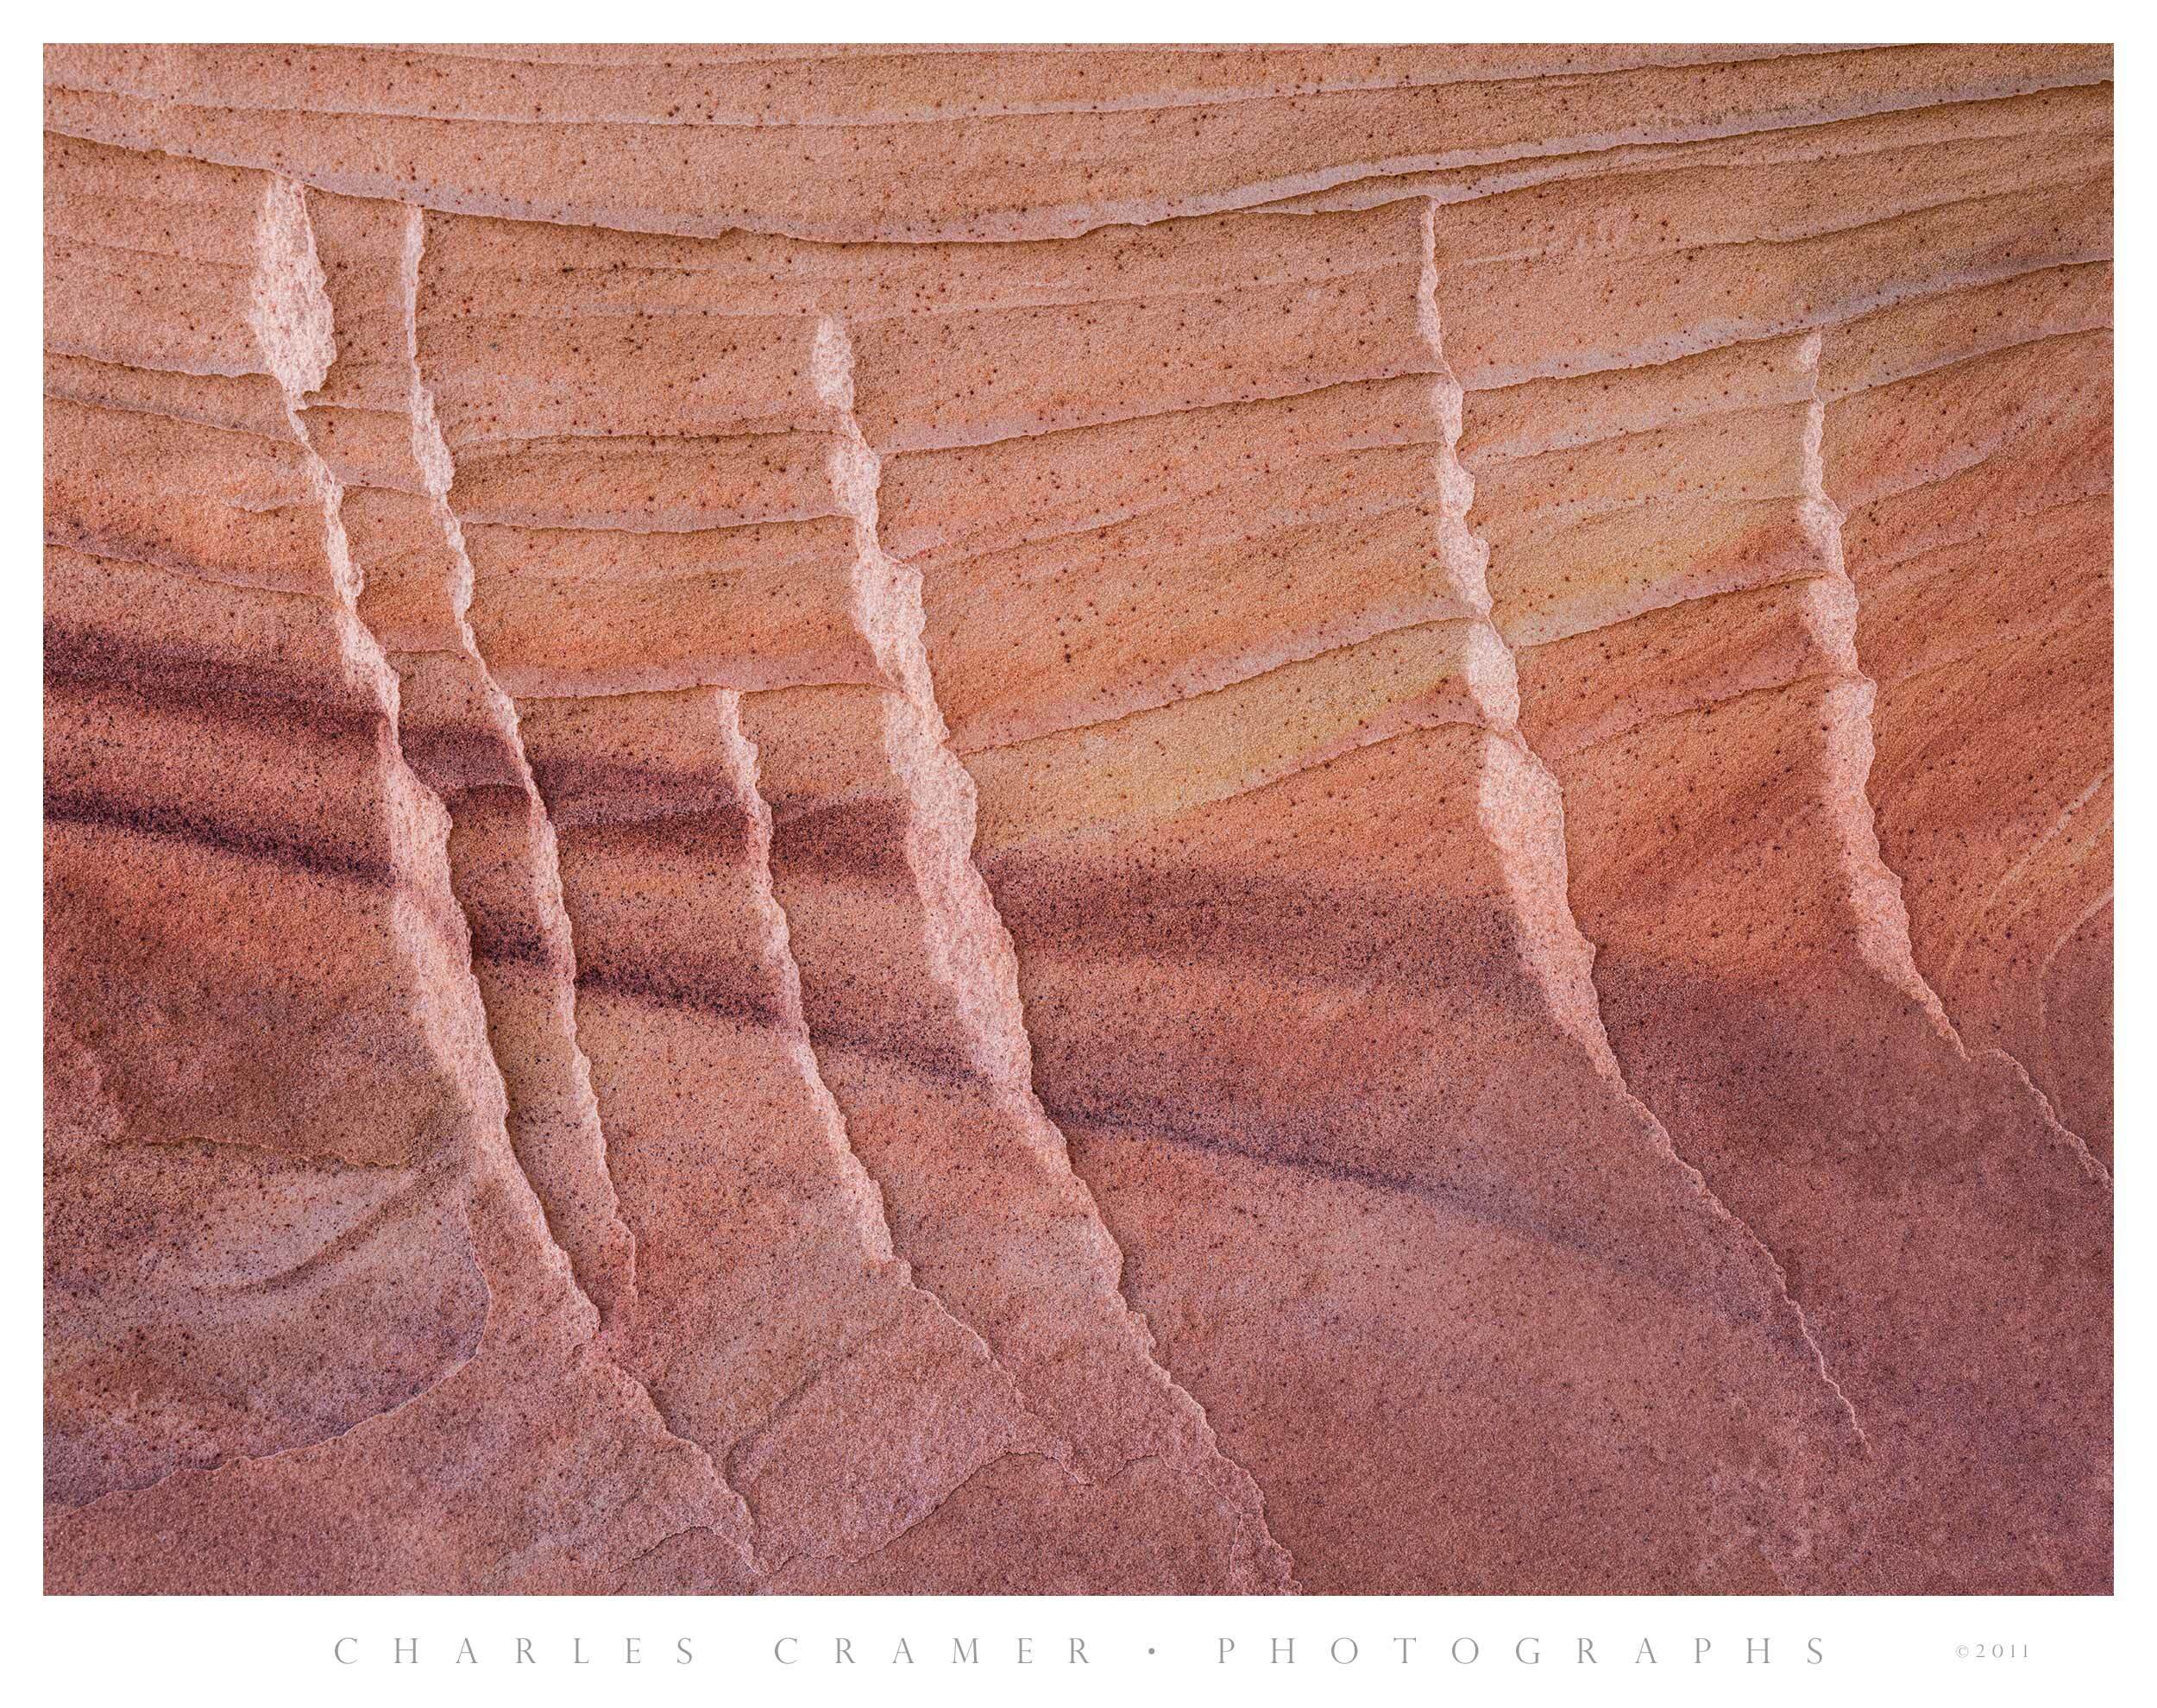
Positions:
(1211, 820)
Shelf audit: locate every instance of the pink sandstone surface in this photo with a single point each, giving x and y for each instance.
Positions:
(1215, 820)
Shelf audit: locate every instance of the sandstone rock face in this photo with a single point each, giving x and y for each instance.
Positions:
(1211, 820)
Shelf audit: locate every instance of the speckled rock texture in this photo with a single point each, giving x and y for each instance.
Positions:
(1075, 820)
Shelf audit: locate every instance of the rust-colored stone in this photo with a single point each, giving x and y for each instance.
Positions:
(1078, 820)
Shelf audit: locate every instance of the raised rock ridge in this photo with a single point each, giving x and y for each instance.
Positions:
(1071, 819)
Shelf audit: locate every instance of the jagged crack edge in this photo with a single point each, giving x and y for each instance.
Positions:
(896, 635)
(1605, 1056)
(433, 456)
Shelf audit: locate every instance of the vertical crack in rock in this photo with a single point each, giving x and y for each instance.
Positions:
(1571, 962)
(295, 325)
(1417, 796)
(934, 1076)
(1969, 438)
(502, 844)
(1689, 657)
(1220, 668)
(1875, 891)
(1526, 815)
(809, 1478)
(773, 1324)
(291, 318)
(792, 1024)
(266, 1511)
(201, 1195)
(461, 735)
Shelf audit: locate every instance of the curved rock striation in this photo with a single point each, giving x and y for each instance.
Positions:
(1220, 820)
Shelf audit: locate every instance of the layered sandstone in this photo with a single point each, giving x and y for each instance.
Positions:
(1078, 820)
